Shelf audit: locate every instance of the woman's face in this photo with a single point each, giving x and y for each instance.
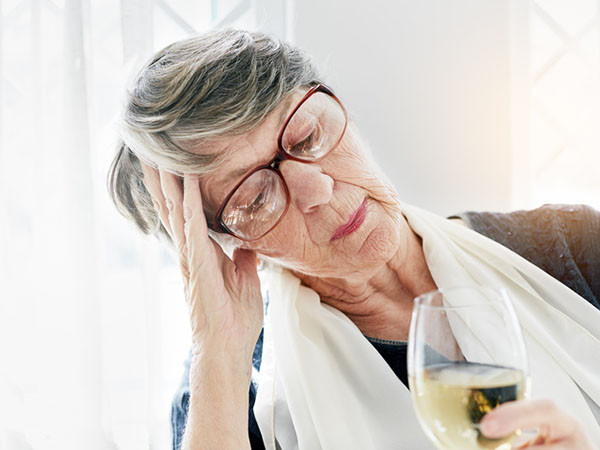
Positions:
(318, 234)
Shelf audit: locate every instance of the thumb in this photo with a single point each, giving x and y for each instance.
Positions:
(245, 262)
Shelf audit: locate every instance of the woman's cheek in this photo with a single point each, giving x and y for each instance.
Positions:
(351, 168)
(285, 239)
(381, 243)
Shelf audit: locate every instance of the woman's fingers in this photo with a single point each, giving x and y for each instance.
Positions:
(196, 230)
(201, 249)
(152, 183)
(544, 415)
(204, 255)
(173, 195)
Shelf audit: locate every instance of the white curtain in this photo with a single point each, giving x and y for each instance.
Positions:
(93, 324)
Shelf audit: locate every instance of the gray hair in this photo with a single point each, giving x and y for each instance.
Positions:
(222, 83)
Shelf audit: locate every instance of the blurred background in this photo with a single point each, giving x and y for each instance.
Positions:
(469, 104)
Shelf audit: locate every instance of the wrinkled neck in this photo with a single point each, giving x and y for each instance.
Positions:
(380, 303)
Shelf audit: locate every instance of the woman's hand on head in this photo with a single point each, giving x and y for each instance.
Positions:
(223, 294)
(556, 429)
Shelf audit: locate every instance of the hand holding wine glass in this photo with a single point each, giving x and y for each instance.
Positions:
(466, 357)
(469, 376)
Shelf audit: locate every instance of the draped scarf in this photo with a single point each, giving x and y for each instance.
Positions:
(322, 384)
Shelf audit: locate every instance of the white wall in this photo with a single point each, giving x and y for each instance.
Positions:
(427, 83)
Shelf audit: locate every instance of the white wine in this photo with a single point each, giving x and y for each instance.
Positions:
(452, 398)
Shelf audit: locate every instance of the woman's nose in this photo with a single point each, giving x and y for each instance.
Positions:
(308, 186)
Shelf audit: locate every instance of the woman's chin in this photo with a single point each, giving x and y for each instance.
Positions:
(370, 246)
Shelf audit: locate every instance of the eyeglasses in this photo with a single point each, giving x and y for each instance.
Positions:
(260, 200)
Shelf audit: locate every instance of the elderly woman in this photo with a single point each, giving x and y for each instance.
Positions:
(234, 150)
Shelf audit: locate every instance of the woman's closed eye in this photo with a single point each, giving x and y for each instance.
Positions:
(300, 147)
(256, 204)
(305, 143)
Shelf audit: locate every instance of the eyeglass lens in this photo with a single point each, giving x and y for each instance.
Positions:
(259, 202)
(256, 205)
(315, 128)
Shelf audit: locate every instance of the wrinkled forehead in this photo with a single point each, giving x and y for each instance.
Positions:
(225, 146)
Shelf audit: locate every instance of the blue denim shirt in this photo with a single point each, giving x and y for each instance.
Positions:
(563, 240)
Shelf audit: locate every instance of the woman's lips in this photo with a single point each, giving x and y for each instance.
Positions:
(354, 222)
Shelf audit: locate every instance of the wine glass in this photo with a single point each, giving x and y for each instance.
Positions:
(466, 355)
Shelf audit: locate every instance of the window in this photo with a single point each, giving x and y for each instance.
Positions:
(556, 101)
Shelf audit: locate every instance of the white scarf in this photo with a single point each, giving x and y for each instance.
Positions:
(322, 384)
